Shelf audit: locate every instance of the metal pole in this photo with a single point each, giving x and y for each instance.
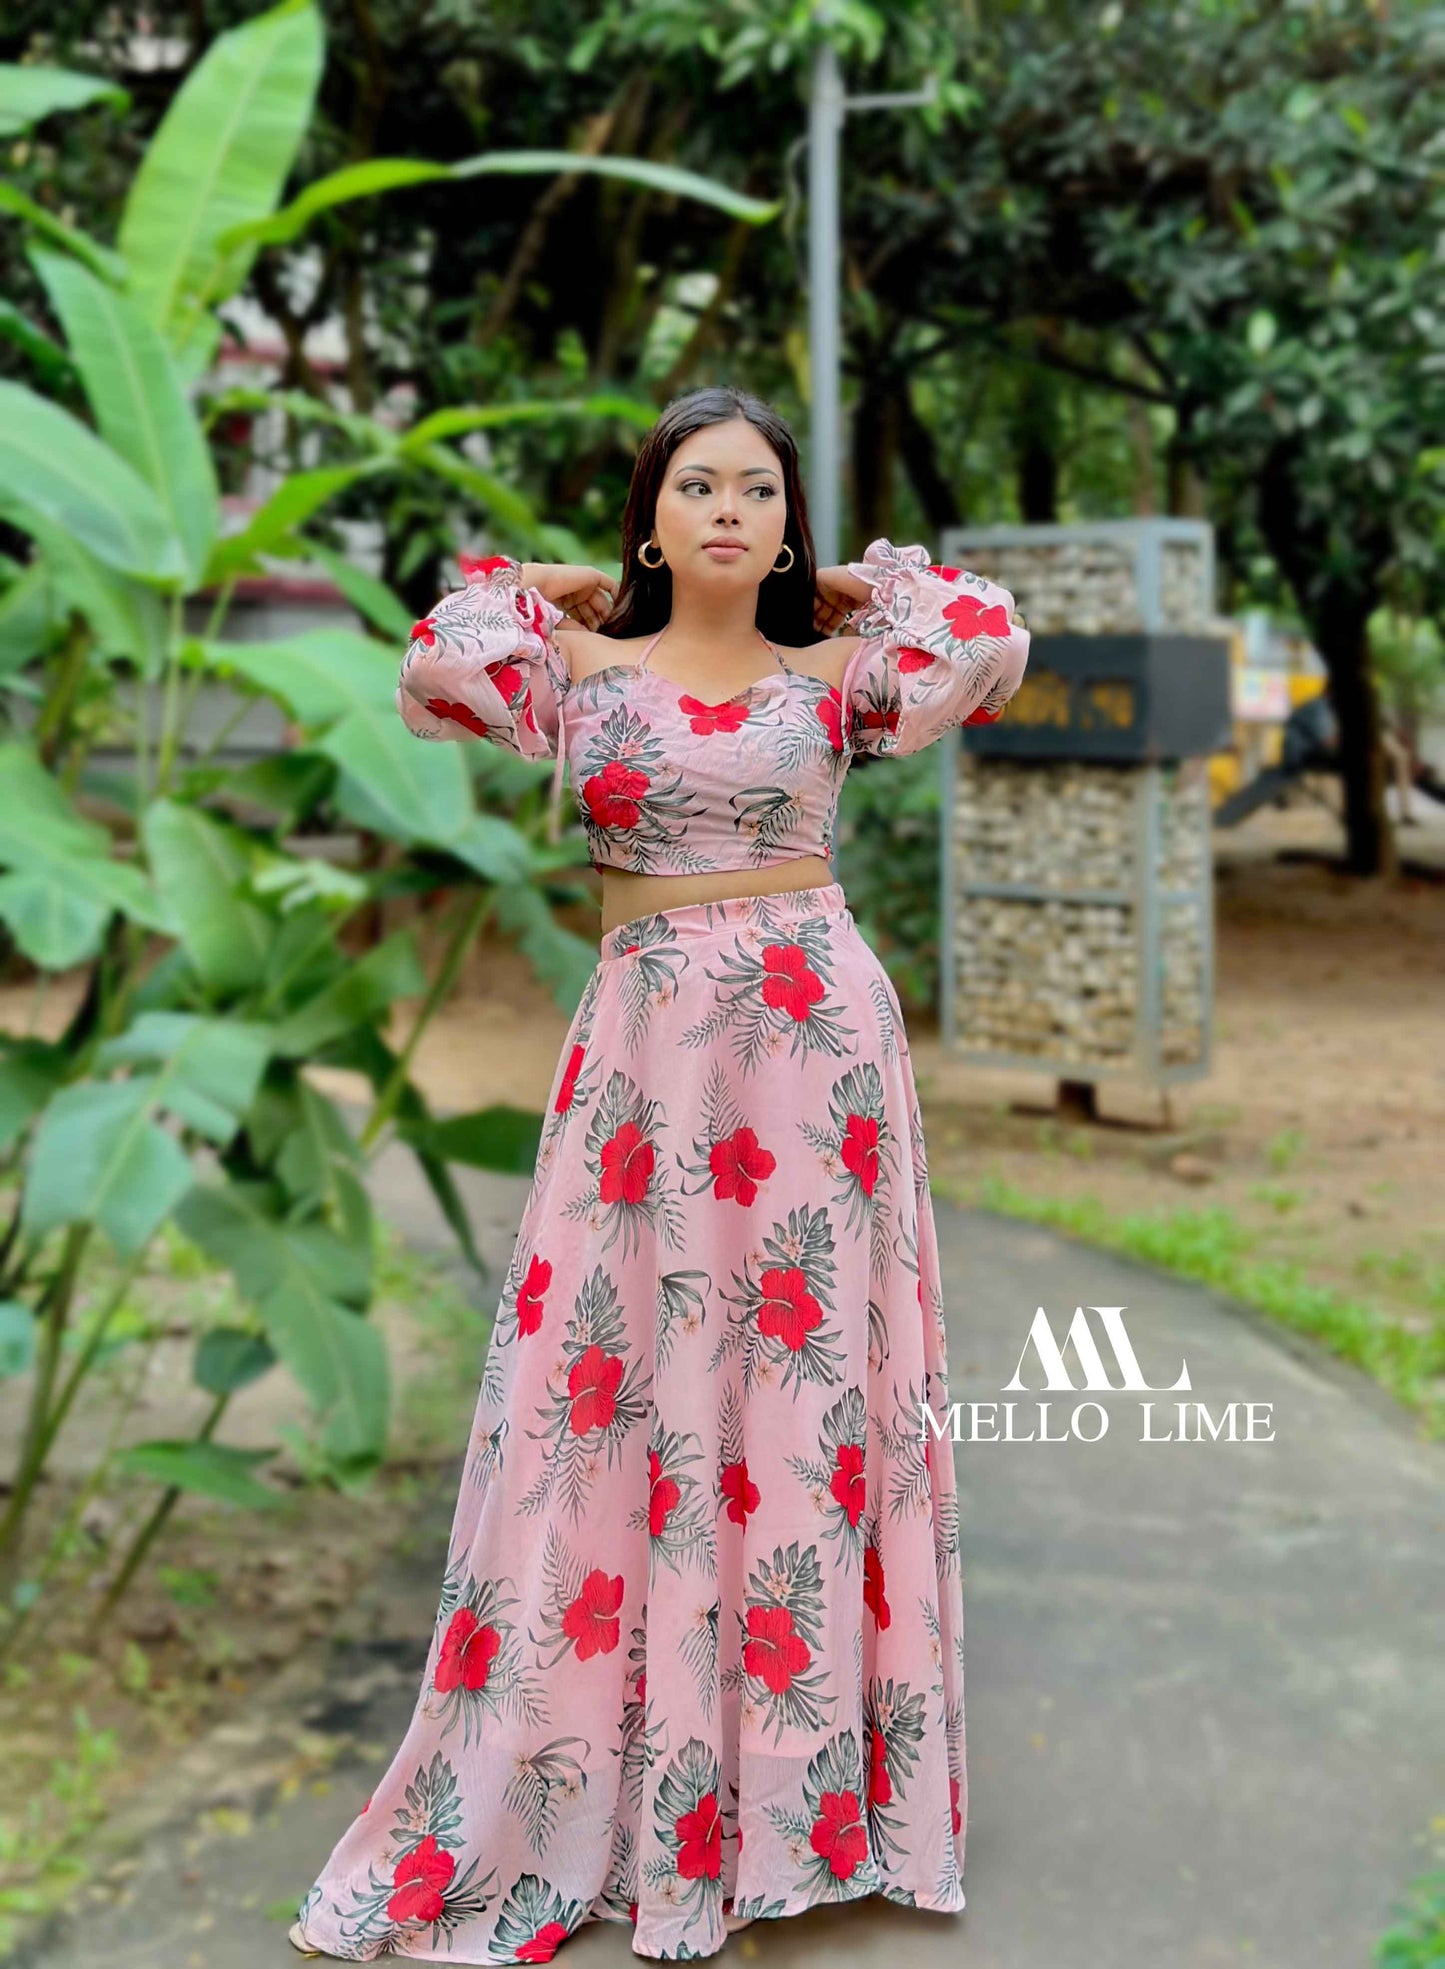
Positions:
(828, 104)
(825, 129)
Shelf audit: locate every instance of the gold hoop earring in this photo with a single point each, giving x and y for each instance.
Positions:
(788, 563)
(642, 556)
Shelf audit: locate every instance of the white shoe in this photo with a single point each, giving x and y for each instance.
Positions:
(295, 1939)
(736, 1921)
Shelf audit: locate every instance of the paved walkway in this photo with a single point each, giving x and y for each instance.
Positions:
(1205, 1681)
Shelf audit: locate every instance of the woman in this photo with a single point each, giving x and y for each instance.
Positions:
(699, 1651)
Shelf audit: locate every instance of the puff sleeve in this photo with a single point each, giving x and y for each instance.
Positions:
(939, 648)
(485, 664)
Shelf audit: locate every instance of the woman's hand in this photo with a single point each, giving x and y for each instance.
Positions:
(584, 593)
(838, 592)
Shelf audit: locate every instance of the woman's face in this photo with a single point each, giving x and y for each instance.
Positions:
(723, 482)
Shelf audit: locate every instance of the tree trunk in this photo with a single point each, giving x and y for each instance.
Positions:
(1337, 615)
(1340, 636)
(919, 451)
(875, 435)
(1036, 439)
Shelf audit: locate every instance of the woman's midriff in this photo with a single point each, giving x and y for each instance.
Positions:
(625, 895)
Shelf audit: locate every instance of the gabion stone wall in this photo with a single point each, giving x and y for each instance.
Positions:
(1060, 975)
(1093, 583)
(1065, 947)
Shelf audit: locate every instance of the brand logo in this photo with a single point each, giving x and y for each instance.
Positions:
(1190, 1421)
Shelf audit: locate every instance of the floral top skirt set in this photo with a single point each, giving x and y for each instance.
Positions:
(699, 1645)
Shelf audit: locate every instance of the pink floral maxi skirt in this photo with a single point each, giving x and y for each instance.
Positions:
(700, 1639)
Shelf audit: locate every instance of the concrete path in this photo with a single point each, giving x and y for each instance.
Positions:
(1205, 1682)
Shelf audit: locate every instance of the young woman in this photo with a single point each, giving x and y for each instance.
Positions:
(699, 1651)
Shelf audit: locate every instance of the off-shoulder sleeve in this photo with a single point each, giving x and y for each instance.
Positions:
(485, 664)
(939, 648)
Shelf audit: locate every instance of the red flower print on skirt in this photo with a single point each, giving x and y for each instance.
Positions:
(699, 1835)
(742, 1494)
(569, 1079)
(626, 1165)
(530, 1297)
(592, 1385)
(839, 1834)
(739, 1164)
(860, 1149)
(467, 1653)
(790, 984)
(664, 1494)
(591, 1620)
(788, 1311)
(773, 1651)
(420, 1878)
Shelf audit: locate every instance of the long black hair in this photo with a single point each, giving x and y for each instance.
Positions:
(644, 599)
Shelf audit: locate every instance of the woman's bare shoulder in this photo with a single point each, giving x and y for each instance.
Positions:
(587, 650)
(827, 659)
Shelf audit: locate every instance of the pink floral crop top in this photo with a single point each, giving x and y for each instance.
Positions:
(669, 785)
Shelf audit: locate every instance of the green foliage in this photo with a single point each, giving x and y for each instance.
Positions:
(888, 860)
(1417, 1940)
(221, 964)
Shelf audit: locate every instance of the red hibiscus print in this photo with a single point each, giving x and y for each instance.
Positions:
(972, 616)
(627, 1161)
(880, 1785)
(569, 1080)
(953, 1803)
(740, 1491)
(788, 1311)
(708, 719)
(506, 675)
(773, 1651)
(790, 986)
(466, 1655)
(910, 660)
(532, 610)
(592, 1385)
(460, 714)
(830, 717)
(860, 1149)
(847, 1482)
(419, 1879)
(529, 1298)
(946, 573)
(642, 1686)
(632, 1912)
(545, 1943)
(700, 1830)
(663, 1496)
(982, 717)
(367, 1806)
(424, 631)
(928, 1455)
(478, 570)
(591, 1620)
(738, 1165)
(612, 796)
(873, 1586)
(839, 1834)
(872, 720)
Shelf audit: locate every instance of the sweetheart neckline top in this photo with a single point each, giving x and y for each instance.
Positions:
(672, 784)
